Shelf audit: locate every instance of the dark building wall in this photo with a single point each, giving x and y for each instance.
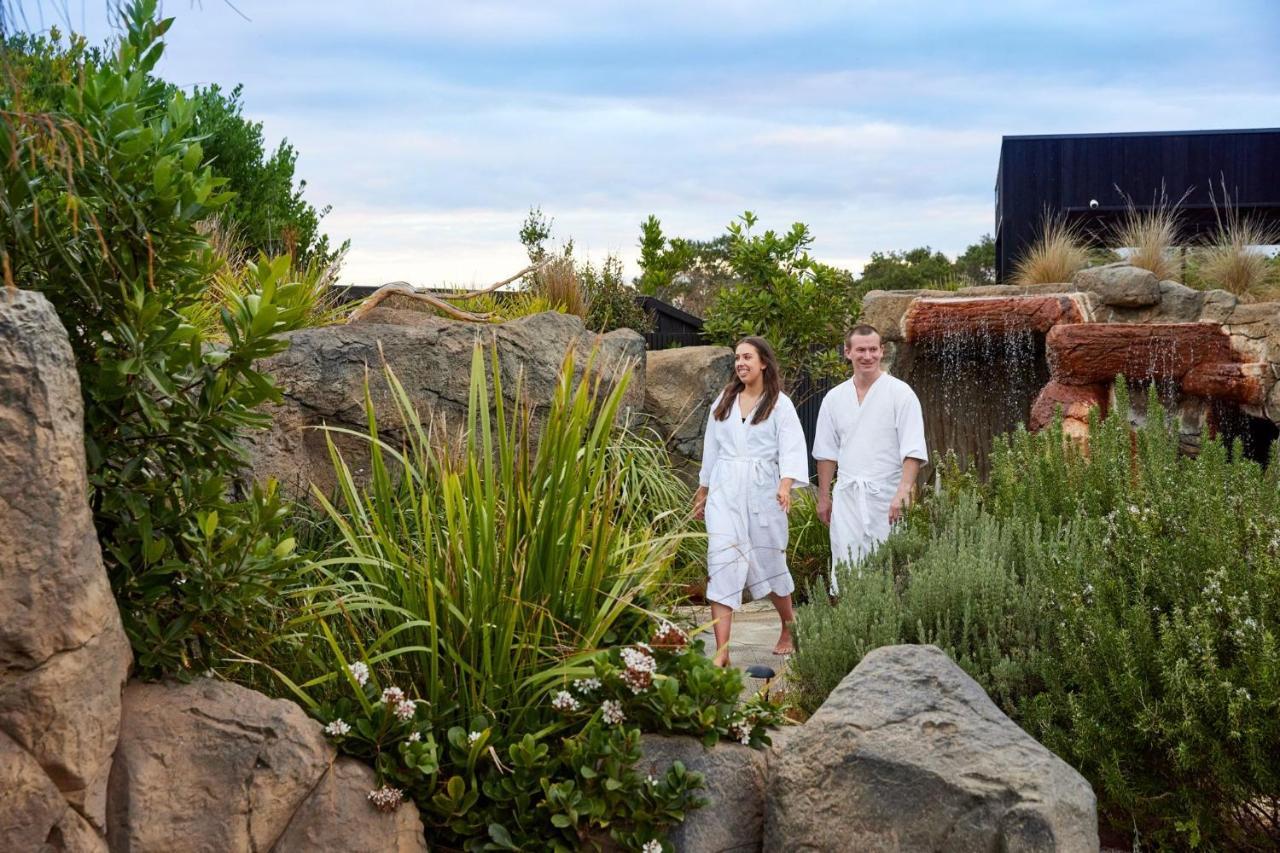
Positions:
(1064, 173)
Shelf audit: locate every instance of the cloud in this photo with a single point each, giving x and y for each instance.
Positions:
(432, 127)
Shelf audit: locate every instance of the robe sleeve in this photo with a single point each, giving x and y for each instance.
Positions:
(909, 421)
(826, 443)
(710, 446)
(793, 456)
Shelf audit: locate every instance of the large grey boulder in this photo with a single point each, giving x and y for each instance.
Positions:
(210, 766)
(908, 753)
(64, 657)
(733, 819)
(323, 375)
(1120, 285)
(680, 386)
(337, 818)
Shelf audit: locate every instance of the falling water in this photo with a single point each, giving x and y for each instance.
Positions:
(977, 379)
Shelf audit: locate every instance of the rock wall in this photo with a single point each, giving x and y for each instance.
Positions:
(323, 375)
(86, 762)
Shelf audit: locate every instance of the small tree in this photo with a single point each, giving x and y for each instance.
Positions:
(801, 306)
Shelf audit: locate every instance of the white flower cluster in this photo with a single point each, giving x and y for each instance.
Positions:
(360, 672)
(404, 710)
(640, 667)
(386, 798)
(472, 737)
(337, 728)
(653, 846)
(669, 636)
(611, 711)
(392, 696)
(586, 685)
(564, 701)
(742, 731)
(414, 737)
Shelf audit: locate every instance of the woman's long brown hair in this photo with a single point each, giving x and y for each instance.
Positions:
(772, 383)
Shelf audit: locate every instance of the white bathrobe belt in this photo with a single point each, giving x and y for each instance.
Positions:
(760, 470)
(861, 487)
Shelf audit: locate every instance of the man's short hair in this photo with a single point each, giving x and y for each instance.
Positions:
(861, 329)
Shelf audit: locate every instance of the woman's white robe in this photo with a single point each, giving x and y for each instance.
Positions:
(868, 441)
(742, 465)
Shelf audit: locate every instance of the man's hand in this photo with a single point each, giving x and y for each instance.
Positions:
(824, 509)
(700, 503)
(898, 506)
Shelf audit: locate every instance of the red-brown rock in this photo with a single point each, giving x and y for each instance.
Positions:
(995, 315)
(1090, 353)
(1236, 383)
(1075, 401)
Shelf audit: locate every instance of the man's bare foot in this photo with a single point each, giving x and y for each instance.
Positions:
(722, 658)
(785, 646)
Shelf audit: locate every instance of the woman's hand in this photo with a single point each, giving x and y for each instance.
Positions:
(700, 503)
(784, 495)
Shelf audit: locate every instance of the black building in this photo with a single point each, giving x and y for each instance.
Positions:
(1086, 178)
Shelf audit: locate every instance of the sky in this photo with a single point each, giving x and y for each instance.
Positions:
(432, 128)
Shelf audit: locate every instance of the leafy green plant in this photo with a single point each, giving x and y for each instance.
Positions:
(1120, 604)
(268, 210)
(99, 205)
(461, 633)
(611, 302)
(570, 785)
(470, 569)
(803, 307)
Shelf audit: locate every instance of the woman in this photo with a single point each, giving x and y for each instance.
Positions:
(753, 453)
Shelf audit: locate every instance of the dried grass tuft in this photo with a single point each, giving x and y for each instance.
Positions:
(1056, 256)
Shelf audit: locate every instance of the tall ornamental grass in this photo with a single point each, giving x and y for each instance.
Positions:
(1120, 602)
(480, 569)
(1056, 255)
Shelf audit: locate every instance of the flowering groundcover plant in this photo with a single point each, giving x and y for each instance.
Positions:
(576, 781)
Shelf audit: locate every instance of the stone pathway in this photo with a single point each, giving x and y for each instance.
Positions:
(755, 631)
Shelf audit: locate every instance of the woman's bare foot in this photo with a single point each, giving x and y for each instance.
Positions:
(722, 658)
(785, 646)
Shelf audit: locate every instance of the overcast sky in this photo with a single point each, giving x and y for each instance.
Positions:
(431, 127)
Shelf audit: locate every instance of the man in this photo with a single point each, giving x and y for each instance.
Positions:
(870, 430)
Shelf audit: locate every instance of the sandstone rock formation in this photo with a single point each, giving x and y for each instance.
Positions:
(1217, 359)
(680, 386)
(736, 788)
(908, 753)
(63, 654)
(218, 767)
(324, 370)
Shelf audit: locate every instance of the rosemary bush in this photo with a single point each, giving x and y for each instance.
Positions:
(1120, 604)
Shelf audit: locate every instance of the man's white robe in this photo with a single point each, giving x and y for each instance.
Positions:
(868, 441)
(742, 465)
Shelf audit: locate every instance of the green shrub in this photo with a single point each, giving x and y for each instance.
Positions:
(803, 307)
(611, 302)
(99, 202)
(490, 583)
(1120, 604)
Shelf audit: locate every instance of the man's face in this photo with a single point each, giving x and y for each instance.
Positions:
(864, 353)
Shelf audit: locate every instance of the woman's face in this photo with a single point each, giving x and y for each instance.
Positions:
(747, 363)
